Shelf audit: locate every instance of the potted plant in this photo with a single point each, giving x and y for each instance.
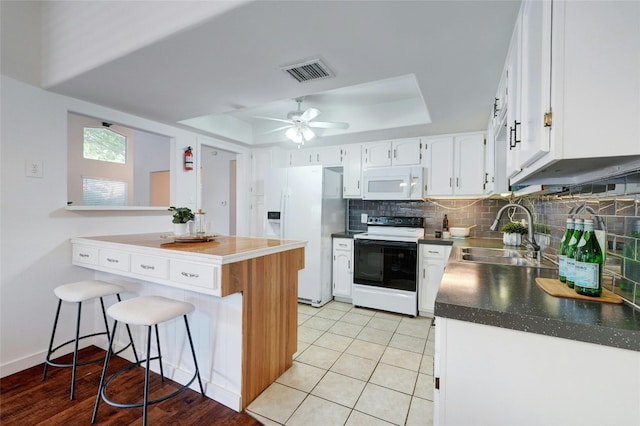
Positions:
(512, 233)
(181, 216)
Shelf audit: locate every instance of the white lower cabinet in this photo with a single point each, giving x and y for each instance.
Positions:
(487, 375)
(342, 268)
(431, 263)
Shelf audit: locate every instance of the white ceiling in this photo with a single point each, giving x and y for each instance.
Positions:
(402, 68)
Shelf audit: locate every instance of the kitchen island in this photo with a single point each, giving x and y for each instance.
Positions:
(509, 353)
(245, 291)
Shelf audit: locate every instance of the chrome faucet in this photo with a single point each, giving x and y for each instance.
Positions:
(533, 249)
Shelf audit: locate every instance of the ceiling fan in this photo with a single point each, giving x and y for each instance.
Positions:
(300, 123)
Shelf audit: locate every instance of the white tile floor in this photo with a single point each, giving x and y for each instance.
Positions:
(354, 367)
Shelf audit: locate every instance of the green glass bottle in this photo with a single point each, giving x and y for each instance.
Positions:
(562, 251)
(571, 251)
(588, 275)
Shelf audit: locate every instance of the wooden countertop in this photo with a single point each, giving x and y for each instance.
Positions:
(225, 249)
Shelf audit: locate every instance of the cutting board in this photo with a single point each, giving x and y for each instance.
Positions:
(557, 288)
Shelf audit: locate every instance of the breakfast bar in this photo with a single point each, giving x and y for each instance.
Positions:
(245, 292)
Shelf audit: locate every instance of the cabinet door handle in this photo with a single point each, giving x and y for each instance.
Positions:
(450, 182)
(310, 158)
(318, 158)
(486, 178)
(190, 275)
(358, 184)
(83, 255)
(395, 153)
(389, 154)
(143, 266)
(457, 182)
(513, 135)
(348, 264)
(423, 273)
(112, 260)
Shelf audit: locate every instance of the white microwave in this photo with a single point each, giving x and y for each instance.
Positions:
(394, 183)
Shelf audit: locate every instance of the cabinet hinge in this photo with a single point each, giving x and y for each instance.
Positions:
(436, 383)
(548, 119)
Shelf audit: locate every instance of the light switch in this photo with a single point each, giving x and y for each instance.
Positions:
(33, 168)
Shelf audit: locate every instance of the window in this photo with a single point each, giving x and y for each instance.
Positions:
(104, 192)
(104, 145)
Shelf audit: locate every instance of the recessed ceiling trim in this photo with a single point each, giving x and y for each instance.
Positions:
(311, 70)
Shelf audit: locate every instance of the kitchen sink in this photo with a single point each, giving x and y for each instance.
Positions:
(502, 257)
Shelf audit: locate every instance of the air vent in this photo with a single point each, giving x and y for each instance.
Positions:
(308, 71)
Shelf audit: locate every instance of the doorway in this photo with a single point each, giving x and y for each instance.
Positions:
(218, 181)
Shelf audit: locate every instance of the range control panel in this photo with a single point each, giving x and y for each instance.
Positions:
(406, 222)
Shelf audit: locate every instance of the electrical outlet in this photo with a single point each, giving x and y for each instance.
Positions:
(33, 168)
(363, 218)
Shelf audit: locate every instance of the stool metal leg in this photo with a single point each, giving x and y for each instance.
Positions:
(133, 347)
(159, 354)
(74, 365)
(193, 352)
(53, 334)
(146, 376)
(101, 388)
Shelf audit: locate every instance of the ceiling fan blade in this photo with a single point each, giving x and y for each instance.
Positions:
(309, 114)
(272, 119)
(328, 125)
(275, 130)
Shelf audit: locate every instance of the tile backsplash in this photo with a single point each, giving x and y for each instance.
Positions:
(620, 212)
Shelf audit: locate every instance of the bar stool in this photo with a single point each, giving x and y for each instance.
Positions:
(79, 292)
(146, 311)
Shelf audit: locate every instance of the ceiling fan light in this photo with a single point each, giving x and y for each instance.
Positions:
(307, 133)
(294, 134)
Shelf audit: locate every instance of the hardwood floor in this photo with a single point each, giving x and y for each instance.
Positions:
(26, 400)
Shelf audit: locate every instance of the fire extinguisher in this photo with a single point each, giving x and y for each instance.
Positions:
(188, 159)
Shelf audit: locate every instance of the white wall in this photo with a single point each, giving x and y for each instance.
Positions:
(35, 226)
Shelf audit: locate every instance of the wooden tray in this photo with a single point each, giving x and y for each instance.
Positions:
(190, 238)
(559, 289)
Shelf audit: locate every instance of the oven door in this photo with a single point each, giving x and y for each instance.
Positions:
(387, 264)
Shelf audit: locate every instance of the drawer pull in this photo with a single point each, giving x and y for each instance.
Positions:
(342, 245)
(189, 275)
(83, 255)
(434, 252)
(112, 260)
(147, 266)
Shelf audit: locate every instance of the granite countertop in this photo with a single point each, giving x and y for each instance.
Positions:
(508, 297)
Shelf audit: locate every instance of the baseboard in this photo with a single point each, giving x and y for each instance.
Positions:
(37, 358)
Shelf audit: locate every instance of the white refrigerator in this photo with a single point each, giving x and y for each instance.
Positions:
(305, 203)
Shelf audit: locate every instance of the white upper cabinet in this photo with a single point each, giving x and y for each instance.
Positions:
(495, 179)
(580, 91)
(326, 156)
(535, 77)
(513, 119)
(401, 152)
(440, 167)
(352, 171)
(456, 165)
